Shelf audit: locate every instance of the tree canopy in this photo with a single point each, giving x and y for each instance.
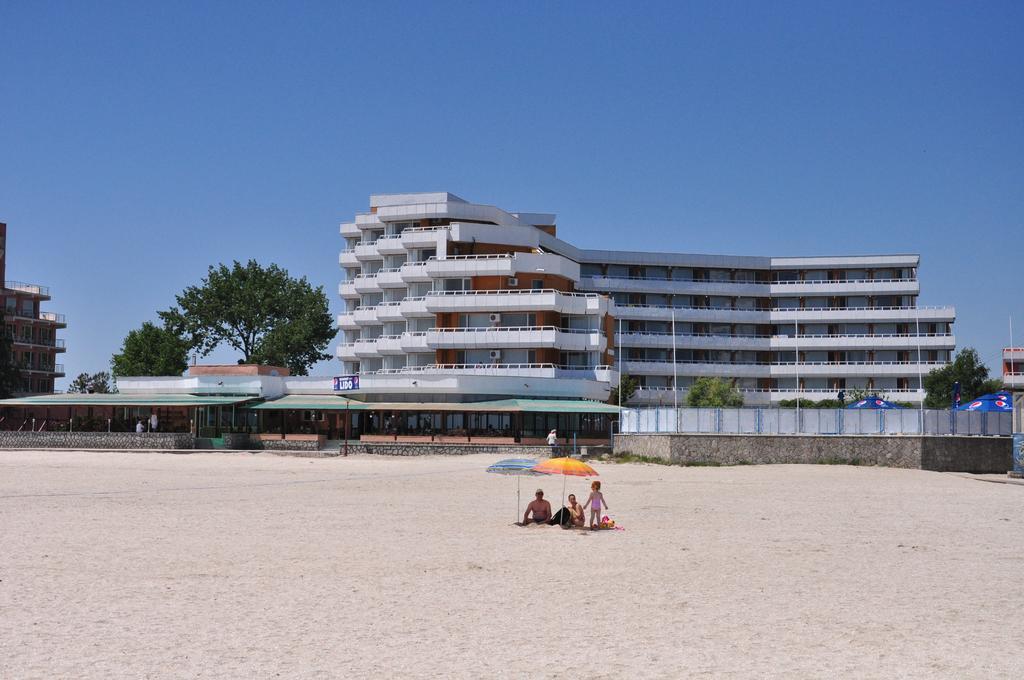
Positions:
(96, 383)
(151, 350)
(967, 369)
(268, 316)
(713, 393)
(629, 387)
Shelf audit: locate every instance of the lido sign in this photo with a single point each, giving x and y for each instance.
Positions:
(346, 383)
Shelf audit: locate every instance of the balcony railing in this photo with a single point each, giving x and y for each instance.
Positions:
(33, 288)
(760, 282)
(41, 368)
(491, 329)
(51, 316)
(512, 291)
(36, 342)
(781, 309)
(433, 368)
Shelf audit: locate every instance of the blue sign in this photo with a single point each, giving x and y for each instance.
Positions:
(346, 383)
(1018, 452)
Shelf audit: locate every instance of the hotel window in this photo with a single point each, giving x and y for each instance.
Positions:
(537, 284)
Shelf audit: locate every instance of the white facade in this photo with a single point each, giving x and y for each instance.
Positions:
(446, 297)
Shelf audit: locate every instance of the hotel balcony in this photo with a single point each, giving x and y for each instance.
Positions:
(697, 368)
(414, 307)
(57, 320)
(423, 237)
(516, 301)
(465, 266)
(842, 342)
(841, 369)
(389, 344)
(697, 314)
(365, 348)
(389, 311)
(414, 272)
(536, 380)
(777, 395)
(415, 343)
(692, 341)
(666, 396)
(346, 352)
(365, 252)
(56, 370)
(347, 321)
(35, 290)
(1014, 381)
(350, 230)
(848, 287)
(863, 314)
(368, 220)
(390, 278)
(347, 290)
(630, 284)
(347, 258)
(366, 316)
(528, 337)
(35, 343)
(390, 245)
(366, 283)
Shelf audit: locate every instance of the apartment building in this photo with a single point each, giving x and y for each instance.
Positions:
(1013, 368)
(449, 300)
(33, 332)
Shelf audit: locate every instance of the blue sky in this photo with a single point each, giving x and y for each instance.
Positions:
(139, 144)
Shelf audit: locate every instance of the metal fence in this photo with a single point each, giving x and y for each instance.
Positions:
(814, 421)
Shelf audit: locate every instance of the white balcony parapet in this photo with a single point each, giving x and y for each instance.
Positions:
(366, 316)
(346, 352)
(518, 300)
(350, 230)
(347, 289)
(414, 307)
(365, 252)
(390, 244)
(415, 342)
(365, 348)
(509, 337)
(523, 370)
(423, 237)
(414, 272)
(347, 258)
(389, 311)
(366, 283)
(390, 278)
(865, 341)
(503, 264)
(693, 340)
(347, 321)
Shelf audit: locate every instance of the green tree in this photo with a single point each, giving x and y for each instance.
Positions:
(10, 376)
(268, 316)
(967, 369)
(629, 387)
(96, 383)
(713, 393)
(151, 350)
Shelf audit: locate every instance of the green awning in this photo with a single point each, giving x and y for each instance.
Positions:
(123, 400)
(310, 402)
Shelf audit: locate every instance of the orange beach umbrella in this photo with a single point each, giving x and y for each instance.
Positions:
(567, 467)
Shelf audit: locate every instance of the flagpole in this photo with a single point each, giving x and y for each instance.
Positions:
(618, 360)
(796, 343)
(675, 370)
(920, 377)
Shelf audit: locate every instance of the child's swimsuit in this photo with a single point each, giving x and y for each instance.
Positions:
(595, 504)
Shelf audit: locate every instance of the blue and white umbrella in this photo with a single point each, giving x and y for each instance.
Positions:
(1001, 402)
(873, 403)
(516, 467)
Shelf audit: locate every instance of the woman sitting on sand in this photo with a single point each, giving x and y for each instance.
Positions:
(577, 514)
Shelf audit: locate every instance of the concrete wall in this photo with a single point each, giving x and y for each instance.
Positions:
(944, 454)
(96, 440)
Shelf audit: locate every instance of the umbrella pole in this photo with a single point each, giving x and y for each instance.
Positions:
(519, 503)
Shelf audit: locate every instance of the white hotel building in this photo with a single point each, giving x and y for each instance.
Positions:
(447, 300)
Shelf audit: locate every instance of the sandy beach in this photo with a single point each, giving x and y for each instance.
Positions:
(237, 565)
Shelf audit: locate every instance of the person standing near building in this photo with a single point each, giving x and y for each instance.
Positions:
(553, 441)
(153, 422)
(139, 427)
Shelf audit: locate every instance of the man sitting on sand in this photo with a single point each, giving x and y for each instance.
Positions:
(539, 508)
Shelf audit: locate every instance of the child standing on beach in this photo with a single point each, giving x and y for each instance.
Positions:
(595, 501)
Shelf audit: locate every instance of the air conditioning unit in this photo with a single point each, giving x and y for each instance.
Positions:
(495, 319)
(513, 282)
(495, 354)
